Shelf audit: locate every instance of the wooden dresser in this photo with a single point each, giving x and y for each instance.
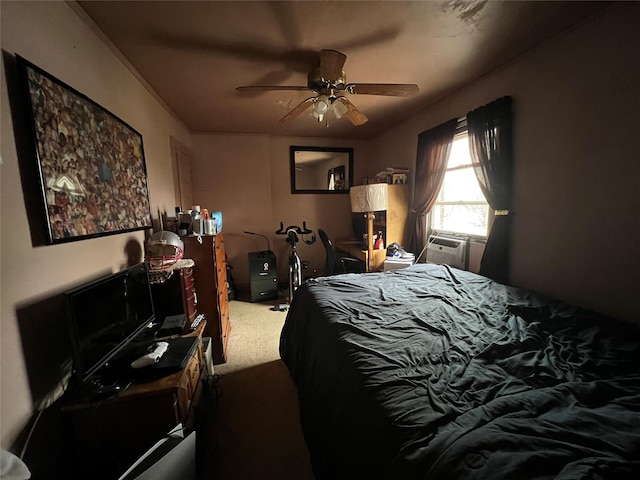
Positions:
(210, 275)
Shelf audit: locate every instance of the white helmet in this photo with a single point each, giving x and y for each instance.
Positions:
(163, 250)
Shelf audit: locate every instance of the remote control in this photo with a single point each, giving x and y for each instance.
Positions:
(152, 357)
(197, 321)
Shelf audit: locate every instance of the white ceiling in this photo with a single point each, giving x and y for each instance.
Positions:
(195, 54)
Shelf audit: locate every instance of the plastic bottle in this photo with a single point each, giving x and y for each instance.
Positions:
(196, 220)
(209, 227)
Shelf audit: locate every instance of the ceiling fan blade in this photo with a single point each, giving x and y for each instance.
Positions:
(354, 115)
(390, 89)
(270, 87)
(301, 107)
(331, 63)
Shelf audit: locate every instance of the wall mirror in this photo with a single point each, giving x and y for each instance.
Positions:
(321, 169)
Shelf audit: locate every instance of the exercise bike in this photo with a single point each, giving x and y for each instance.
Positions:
(295, 265)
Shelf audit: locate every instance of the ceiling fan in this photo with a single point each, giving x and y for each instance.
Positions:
(329, 83)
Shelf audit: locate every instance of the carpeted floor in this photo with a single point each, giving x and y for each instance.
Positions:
(255, 336)
(252, 428)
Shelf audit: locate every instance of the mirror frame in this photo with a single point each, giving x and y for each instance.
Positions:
(292, 164)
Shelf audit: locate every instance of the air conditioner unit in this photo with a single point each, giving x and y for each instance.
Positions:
(448, 250)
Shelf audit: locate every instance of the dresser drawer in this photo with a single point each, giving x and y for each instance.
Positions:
(188, 386)
(220, 257)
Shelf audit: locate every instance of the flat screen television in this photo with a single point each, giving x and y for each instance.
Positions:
(104, 316)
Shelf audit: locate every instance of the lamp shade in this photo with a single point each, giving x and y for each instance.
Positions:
(368, 198)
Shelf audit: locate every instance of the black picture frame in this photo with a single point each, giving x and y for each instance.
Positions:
(91, 164)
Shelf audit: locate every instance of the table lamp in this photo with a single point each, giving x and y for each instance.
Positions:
(368, 199)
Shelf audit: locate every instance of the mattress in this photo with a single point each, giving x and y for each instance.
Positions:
(430, 372)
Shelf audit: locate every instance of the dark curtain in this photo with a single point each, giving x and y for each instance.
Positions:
(491, 146)
(434, 146)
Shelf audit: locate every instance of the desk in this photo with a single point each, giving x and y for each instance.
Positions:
(354, 248)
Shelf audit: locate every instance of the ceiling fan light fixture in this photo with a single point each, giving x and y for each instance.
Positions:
(318, 116)
(339, 108)
(321, 105)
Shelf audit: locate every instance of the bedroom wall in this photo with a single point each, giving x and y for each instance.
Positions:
(255, 195)
(53, 37)
(577, 174)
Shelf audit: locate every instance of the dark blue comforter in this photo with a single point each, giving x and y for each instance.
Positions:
(436, 373)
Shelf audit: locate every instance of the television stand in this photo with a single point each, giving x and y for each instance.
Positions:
(111, 434)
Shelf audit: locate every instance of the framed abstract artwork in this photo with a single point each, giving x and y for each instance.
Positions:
(91, 164)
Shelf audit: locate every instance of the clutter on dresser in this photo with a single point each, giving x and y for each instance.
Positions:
(197, 221)
(392, 175)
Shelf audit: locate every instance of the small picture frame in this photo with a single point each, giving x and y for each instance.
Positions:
(91, 164)
(399, 178)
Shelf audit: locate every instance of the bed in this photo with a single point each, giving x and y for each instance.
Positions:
(436, 373)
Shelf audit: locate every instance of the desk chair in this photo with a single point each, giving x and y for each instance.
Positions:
(338, 262)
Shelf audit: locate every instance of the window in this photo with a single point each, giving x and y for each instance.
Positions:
(461, 206)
